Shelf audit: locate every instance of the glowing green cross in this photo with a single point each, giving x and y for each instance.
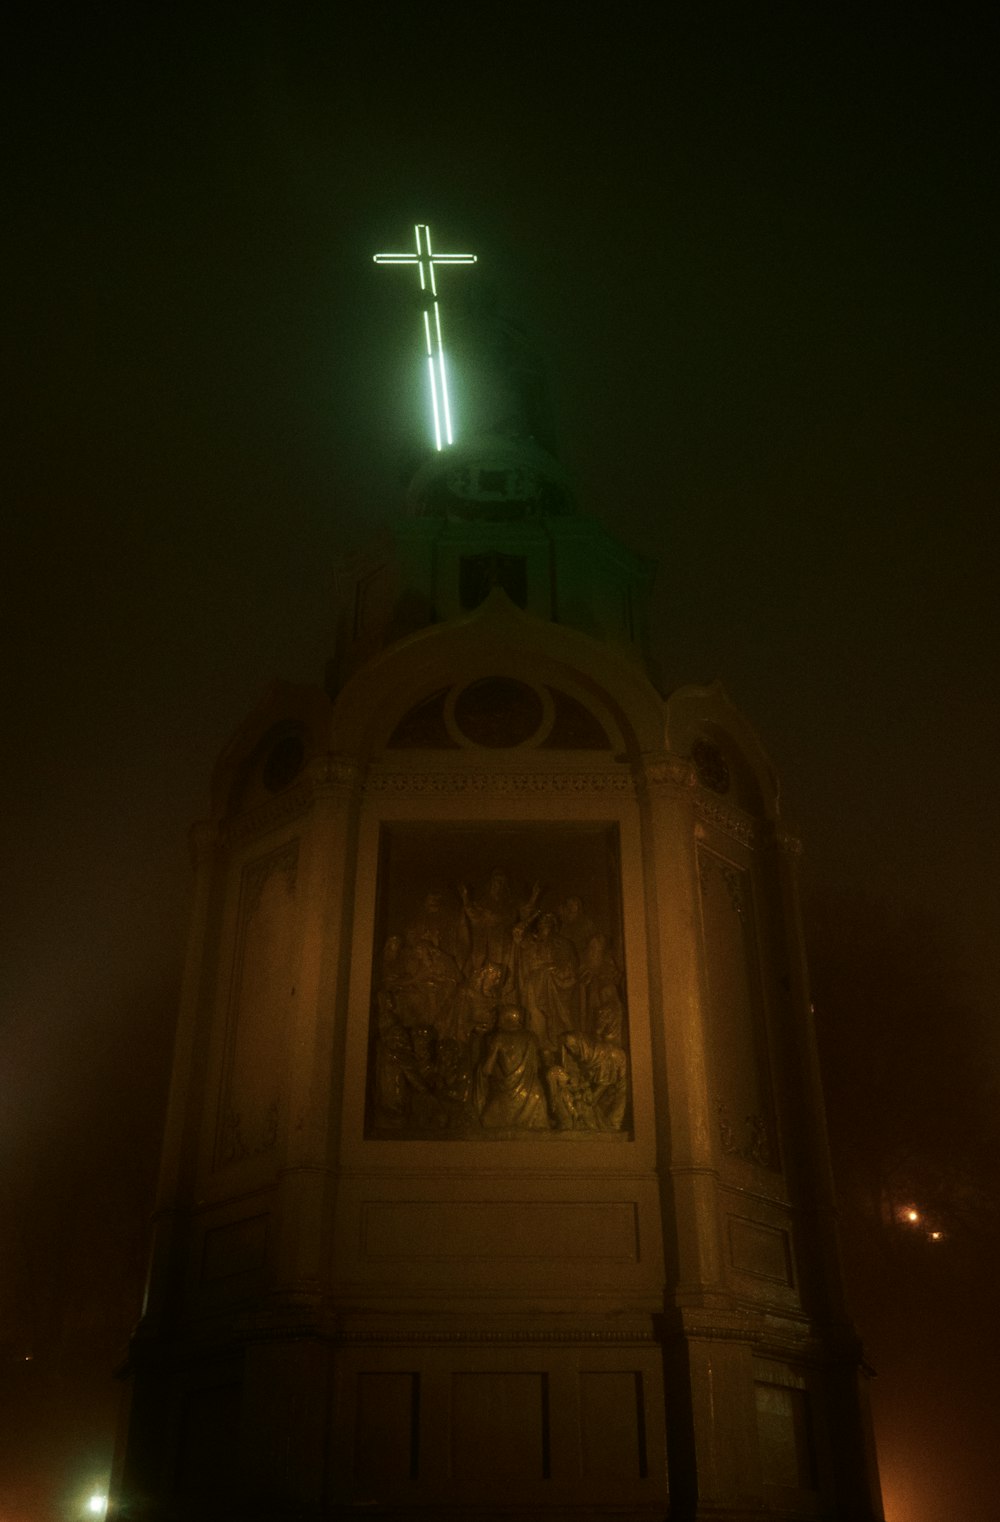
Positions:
(425, 261)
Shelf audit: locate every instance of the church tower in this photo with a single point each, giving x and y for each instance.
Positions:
(495, 1181)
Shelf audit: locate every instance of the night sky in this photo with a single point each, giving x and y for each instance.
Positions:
(756, 245)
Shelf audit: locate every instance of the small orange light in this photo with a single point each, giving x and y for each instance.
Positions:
(937, 1236)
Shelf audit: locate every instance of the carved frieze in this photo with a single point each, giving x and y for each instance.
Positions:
(333, 771)
(499, 1006)
(500, 783)
(278, 811)
(751, 1143)
(724, 816)
(664, 770)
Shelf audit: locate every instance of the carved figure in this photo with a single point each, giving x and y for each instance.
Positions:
(454, 1085)
(548, 981)
(432, 986)
(608, 1020)
(602, 1068)
(564, 1095)
(492, 917)
(599, 979)
(406, 1077)
(476, 1007)
(396, 1075)
(508, 1084)
(394, 975)
(575, 925)
(442, 925)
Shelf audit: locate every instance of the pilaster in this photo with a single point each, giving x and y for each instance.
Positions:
(303, 1204)
(678, 1020)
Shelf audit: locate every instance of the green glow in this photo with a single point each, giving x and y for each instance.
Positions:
(434, 402)
(426, 260)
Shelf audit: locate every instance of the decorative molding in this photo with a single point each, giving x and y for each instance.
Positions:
(724, 817)
(272, 815)
(661, 769)
(364, 1338)
(512, 783)
(327, 773)
(766, 1341)
(333, 772)
(756, 1147)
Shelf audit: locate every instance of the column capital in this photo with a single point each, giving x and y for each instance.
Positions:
(332, 773)
(661, 769)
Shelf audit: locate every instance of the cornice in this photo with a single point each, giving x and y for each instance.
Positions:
(272, 815)
(725, 817)
(561, 1335)
(661, 769)
(333, 773)
(323, 776)
(499, 783)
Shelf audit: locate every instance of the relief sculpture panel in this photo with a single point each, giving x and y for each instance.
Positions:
(498, 989)
(736, 1010)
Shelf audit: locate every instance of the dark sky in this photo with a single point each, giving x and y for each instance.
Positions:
(757, 247)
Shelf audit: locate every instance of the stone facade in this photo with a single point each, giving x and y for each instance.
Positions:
(495, 1182)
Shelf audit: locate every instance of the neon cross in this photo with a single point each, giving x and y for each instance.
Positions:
(425, 261)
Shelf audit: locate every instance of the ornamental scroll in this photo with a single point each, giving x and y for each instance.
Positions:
(498, 990)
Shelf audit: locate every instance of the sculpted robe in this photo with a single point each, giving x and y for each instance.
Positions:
(509, 1086)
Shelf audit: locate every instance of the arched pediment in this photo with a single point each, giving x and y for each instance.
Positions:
(500, 679)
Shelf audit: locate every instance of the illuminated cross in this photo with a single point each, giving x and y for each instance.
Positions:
(425, 261)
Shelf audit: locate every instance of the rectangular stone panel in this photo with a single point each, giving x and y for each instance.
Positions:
(500, 1229)
(612, 1425)
(785, 1432)
(387, 1427)
(763, 1251)
(736, 1010)
(500, 1428)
